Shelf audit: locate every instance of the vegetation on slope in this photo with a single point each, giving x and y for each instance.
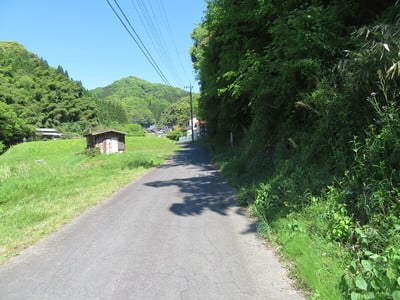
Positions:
(178, 113)
(45, 184)
(142, 101)
(32, 94)
(310, 90)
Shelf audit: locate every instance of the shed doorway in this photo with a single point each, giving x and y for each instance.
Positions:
(110, 145)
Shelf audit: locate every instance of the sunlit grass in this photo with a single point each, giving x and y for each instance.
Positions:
(318, 264)
(45, 184)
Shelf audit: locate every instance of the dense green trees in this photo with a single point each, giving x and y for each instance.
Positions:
(13, 129)
(35, 94)
(143, 102)
(310, 91)
(109, 112)
(179, 112)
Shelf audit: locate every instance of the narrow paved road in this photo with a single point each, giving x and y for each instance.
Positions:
(176, 233)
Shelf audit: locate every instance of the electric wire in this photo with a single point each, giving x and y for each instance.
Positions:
(148, 25)
(172, 37)
(150, 15)
(149, 18)
(143, 45)
(136, 38)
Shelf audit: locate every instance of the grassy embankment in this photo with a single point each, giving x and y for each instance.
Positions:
(45, 184)
(316, 264)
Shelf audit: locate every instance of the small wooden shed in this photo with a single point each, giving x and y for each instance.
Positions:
(108, 141)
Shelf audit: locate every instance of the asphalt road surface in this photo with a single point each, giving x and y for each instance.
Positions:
(175, 233)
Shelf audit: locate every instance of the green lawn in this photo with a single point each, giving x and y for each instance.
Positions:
(45, 184)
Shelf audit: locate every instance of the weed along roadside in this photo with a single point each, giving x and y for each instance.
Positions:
(315, 263)
(329, 255)
(45, 184)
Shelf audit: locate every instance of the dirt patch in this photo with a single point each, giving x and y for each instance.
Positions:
(3, 249)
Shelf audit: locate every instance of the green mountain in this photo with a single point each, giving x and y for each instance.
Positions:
(33, 94)
(143, 102)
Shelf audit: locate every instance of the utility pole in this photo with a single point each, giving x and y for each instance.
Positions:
(191, 110)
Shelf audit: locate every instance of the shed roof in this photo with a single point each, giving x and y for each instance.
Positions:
(105, 131)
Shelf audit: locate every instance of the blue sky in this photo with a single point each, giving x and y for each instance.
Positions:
(88, 40)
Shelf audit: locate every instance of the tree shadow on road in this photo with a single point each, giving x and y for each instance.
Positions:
(206, 191)
(194, 155)
(199, 194)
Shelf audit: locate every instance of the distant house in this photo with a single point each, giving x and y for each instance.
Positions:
(190, 121)
(199, 128)
(108, 141)
(47, 133)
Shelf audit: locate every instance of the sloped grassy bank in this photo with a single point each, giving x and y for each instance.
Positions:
(342, 241)
(316, 263)
(45, 184)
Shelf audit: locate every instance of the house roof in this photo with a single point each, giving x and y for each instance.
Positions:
(105, 131)
(48, 132)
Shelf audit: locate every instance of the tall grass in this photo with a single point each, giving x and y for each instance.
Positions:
(45, 184)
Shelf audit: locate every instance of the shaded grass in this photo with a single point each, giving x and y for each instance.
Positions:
(45, 184)
(316, 264)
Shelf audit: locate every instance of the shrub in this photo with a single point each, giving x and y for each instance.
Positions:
(133, 129)
(368, 197)
(92, 152)
(374, 276)
(175, 135)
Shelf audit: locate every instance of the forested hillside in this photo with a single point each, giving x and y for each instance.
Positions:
(310, 91)
(178, 113)
(143, 102)
(32, 94)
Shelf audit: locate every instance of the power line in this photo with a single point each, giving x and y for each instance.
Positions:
(170, 32)
(136, 38)
(151, 29)
(150, 17)
(162, 41)
(148, 56)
